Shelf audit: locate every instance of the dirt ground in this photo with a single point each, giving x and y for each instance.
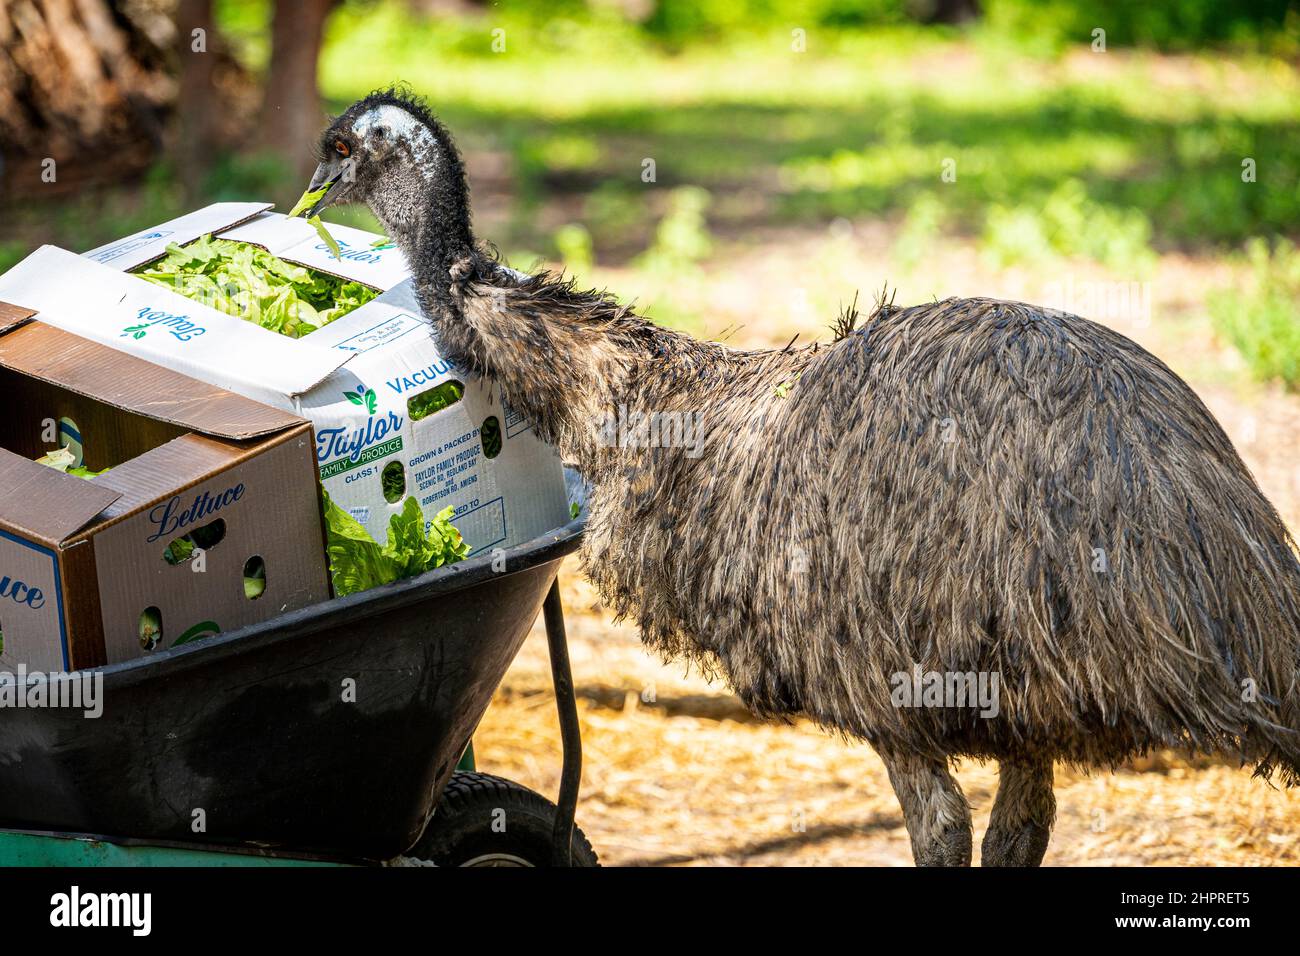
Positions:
(676, 772)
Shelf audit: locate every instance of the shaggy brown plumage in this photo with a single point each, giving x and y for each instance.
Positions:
(968, 486)
(975, 486)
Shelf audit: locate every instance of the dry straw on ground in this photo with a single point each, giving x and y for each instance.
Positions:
(676, 773)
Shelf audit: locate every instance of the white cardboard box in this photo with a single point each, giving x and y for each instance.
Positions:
(385, 347)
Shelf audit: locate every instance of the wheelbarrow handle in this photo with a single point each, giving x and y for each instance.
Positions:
(566, 705)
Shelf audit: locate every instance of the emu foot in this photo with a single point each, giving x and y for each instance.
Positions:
(949, 848)
(934, 809)
(1025, 846)
(1023, 813)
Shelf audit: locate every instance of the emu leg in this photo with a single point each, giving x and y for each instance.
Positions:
(1023, 814)
(934, 809)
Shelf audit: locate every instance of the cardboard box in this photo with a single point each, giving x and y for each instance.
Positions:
(352, 378)
(82, 559)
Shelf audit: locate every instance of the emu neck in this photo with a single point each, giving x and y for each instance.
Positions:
(425, 208)
(432, 243)
(574, 362)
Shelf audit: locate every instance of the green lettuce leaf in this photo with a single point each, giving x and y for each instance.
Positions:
(307, 200)
(434, 400)
(326, 237)
(179, 551)
(61, 459)
(358, 562)
(246, 281)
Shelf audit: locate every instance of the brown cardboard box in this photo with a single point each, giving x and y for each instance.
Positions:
(82, 559)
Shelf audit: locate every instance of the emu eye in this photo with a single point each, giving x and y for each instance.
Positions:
(342, 148)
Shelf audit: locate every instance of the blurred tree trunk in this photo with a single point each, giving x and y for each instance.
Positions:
(216, 101)
(946, 11)
(82, 84)
(197, 129)
(292, 115)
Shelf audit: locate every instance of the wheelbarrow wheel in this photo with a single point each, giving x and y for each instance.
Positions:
(482, 820)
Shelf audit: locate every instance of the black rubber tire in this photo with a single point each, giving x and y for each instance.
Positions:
(462, 831)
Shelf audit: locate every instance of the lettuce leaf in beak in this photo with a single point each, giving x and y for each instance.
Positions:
(309, 199)
(307, 203)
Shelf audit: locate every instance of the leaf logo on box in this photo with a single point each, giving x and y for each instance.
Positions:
(169, 518)
(21, 594)
(181, 326)
(360, 446)
(376, 439)
(364, 397)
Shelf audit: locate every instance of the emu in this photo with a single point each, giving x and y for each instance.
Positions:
(964, 487)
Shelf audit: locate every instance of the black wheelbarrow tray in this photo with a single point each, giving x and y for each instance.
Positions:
(328, 732)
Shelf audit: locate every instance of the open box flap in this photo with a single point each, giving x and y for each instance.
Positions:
(135, 385)
(157, 473)
(12, 316)
(148, 244)
(46, 504)
(365, 257)
(128, 313)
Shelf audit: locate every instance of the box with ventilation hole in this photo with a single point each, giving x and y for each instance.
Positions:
(207, 518)
(363, 380)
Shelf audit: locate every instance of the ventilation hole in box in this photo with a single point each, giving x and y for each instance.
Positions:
(434, 400)
(490, 432)
(70, 438)
(393, 480)
(205, 537)
(210, 535)
(254, 577)
(151, 628)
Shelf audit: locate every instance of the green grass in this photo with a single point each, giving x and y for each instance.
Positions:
(1068, 223)
(1260, 318)
(857, 126)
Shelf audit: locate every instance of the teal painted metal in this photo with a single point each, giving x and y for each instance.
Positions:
(467, 758)
(46, 849)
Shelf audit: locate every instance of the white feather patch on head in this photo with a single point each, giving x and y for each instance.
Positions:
(400, 125)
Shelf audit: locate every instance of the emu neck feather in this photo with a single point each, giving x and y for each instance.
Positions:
(580, 365)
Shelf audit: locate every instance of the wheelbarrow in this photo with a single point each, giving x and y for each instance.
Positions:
(330, 734)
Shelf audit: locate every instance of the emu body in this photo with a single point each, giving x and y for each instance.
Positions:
(965, 486)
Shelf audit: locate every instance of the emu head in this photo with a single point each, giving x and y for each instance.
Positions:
(390, 153)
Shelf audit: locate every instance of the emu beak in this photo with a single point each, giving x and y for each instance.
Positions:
(328, 176)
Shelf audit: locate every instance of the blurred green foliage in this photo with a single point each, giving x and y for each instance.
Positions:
(679, 23)
(1057, 151)
(1260, 317)
(573, 243)
(1268, 25)
(855, 127)
(1068, 223)
(682, 237)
